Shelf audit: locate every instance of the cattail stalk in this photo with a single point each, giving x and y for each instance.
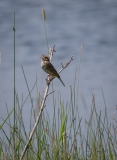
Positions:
(44, 19)
(43, 15)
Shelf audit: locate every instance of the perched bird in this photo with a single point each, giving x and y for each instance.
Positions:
(49, 68)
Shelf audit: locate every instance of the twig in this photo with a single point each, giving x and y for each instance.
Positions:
(51, 51)
(42, 106)
(63, 67)
(66, 64)
(50, 93)
(62, 64)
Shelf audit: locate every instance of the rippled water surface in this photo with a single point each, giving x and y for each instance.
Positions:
(69, 24)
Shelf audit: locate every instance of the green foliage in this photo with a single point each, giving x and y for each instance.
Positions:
(61, 137)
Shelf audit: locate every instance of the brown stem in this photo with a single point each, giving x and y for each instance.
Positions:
(42, 105)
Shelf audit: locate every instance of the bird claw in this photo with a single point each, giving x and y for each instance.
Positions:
(47, 81)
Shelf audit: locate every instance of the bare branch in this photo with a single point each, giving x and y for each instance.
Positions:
(42, 104)
(71, 58)
(51, 51)
(62, 64)
(50, 93)
(66, 64)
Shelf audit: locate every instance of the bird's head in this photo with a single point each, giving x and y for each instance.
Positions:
(45, 58)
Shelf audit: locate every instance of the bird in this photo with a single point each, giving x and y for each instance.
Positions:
(47, 66)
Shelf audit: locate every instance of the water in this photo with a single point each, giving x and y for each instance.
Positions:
(69, 24)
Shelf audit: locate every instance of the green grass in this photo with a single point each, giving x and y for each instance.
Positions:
(62, 137)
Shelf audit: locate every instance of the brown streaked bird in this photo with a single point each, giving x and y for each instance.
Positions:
(49, 68)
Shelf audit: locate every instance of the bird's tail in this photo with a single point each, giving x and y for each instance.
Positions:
(61, 81)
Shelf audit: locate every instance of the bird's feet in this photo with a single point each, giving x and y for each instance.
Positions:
(48, 79)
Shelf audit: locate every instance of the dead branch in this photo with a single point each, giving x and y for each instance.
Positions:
(42, 104)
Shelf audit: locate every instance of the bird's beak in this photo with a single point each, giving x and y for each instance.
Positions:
(42, 56)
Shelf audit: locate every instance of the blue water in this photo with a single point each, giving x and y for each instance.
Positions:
(69, 24)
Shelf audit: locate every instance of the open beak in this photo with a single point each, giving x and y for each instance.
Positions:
(42, 56)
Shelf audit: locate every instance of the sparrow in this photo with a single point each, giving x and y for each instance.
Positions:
(49, 68)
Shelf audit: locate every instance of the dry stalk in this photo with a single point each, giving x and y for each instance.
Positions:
(42, 105)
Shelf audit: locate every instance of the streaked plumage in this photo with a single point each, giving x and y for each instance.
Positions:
(49, 68)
